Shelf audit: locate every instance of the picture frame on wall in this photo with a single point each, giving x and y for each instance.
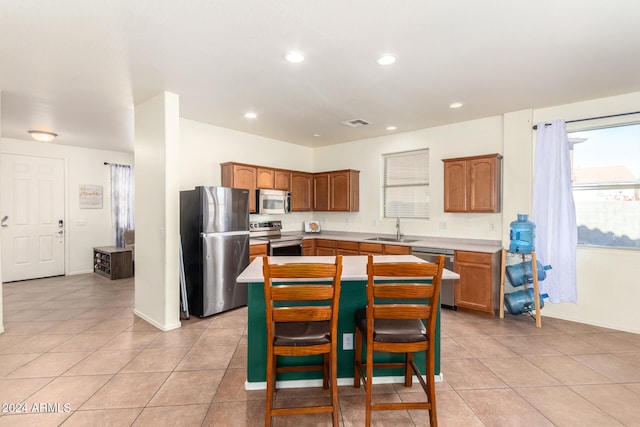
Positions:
(90, 196)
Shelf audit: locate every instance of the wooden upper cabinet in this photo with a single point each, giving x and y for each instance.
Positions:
(336, 191)
(237, 175)
(455, 186)
(472, 184)
(324, 191)
(484, 184)
(321, 191)
(301, 191)
(344, 191)
(264, 178)
(282, 180)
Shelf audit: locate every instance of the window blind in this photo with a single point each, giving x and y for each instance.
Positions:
(406, 184)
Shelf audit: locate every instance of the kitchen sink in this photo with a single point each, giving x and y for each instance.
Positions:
(391, 239)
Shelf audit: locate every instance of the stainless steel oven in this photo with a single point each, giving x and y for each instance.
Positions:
(285, 247)
(279, 245)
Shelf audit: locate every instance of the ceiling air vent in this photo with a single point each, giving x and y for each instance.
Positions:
(355, 123)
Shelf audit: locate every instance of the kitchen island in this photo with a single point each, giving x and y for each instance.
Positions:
(352, 297)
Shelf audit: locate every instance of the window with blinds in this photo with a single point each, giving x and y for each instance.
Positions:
(406, 184)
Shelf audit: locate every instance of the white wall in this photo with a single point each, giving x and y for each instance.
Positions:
(85, 228)
(157, 161)
(456, 140)
(606, 278)
(203, 147)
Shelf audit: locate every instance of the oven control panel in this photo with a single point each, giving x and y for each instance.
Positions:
(265, 226)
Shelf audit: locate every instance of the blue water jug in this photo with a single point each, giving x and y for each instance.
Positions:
(522, 235)
(519, 302)
(519, 274)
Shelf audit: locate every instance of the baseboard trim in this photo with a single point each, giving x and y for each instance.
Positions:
(341, 382)
(163, 328)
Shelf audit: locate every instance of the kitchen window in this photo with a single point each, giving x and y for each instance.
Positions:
(606, 185)
(406, 184)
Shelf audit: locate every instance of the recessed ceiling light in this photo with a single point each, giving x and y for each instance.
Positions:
(316, 135)
(386, 59)
(455, 105)
(250, 115)
(295, 57)
(391, 128)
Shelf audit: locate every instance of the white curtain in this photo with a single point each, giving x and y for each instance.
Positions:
(122, 192)
(554, 212)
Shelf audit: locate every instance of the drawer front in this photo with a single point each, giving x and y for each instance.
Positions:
(397, 250)
(374, 248)
(341, 244)
(321, 243)
(473, 257)
(255, 250)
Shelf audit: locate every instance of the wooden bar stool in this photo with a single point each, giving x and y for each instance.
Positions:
(397, 319)
(298, 326)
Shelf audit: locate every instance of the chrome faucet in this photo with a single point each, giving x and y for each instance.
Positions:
(398, 233)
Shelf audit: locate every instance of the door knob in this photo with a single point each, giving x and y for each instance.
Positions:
(3, 220)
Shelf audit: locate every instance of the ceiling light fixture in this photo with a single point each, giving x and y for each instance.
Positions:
(250, 115)
(455, 105)
(317, 135)
(42, 136)
(294, 57)
(386, 59)
(391, 128)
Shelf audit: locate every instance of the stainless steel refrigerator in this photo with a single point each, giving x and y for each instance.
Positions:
(214, 229)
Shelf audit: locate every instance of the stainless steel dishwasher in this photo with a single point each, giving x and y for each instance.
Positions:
(446, 287)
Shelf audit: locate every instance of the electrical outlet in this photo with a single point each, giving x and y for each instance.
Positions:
(347, 341)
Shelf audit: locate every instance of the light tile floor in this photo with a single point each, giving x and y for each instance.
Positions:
(74, 354)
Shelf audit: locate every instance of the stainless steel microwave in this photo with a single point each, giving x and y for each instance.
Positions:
(273, 201)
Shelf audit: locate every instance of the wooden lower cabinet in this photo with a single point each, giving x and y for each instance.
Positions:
(371, 249)
(381, 249)
(346, 248)
(256, 251)
(397, 250)
(325, 247)
(308, 247)
(479, 285)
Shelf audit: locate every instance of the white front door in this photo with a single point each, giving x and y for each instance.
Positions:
(31, 217)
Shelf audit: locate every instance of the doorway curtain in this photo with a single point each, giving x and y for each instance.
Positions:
(122, 196)
(554, 212)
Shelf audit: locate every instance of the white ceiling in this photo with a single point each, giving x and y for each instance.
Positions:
(78, 67)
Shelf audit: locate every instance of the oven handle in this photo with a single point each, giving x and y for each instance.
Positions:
(286, 243)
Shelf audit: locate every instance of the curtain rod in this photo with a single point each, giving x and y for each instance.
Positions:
(117, 164)
(592, 118)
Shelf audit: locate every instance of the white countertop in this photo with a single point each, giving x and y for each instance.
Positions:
(471, 245)
(354, 268)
